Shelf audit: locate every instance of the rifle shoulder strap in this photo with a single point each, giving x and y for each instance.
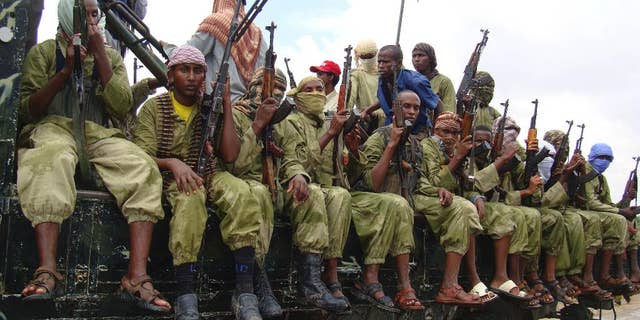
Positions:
(589, 176)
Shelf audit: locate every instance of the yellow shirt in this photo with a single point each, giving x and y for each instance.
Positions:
(184, 112)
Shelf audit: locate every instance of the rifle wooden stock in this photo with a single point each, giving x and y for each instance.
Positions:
(632, 183)
(470, 72)
(268, 83)
(467, 124)
(558, 157)
(498, 138)
(343, 95)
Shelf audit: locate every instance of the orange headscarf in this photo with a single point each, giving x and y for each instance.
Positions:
(246, 50)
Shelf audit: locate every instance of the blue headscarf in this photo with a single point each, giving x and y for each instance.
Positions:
(600, 149)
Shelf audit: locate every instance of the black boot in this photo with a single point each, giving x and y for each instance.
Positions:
(269, 307)
(186, 307)
(245, 306)
(312, 287)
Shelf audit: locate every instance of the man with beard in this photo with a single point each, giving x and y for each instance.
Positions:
(314, 210)
(169, 129)
(394, 78)
(481, 96)
(247, 54)
(48, 152)
(424, 60)
(446, 151)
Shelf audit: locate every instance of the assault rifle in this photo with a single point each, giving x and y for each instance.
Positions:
(498, 138)
(402, 165)
(470, 72)
(575, 183)
(343, 95)
(558, 157)
(533, 157)
(213, 103)
(270, 149)
(292, 82)
(632, 184)
(80, 33)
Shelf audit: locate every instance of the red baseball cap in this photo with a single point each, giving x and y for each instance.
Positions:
(327, 66)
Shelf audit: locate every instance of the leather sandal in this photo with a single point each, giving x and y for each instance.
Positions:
(141, 292)
(404, 301)
(559, 293)
(542, 293)
(367, 292)
(47, 279)
(457, 296)
(570, 289)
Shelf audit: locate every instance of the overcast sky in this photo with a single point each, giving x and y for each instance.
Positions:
(579, 58)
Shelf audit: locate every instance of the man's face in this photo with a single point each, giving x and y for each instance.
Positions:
(421, 61)
(326, 77)
(386, 64)
(313, 86)
(481, 137)
(410, 106)
(187, 79)
(93, 14)
(448, 134)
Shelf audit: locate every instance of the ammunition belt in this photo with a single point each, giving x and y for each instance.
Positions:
(165, 130)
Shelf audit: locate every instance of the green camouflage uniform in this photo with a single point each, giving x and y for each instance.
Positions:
(572, 251)
(327, 208)
(485, 180)
(571, 258)
(443, 87)
(363, 93)
(497, 221)
(551, 235)
(598, 199)
(383, 220)
(47, 150)
(455, 223)
(237, 205)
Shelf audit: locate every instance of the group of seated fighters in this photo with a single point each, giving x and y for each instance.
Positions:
(389, 171)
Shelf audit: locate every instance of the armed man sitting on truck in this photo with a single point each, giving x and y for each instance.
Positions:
(594, 194)
(48, 152)
(545, 226)
(170, 129)
(583, 229)
(312, 209)
(396, 166)
(251, 117)
(448, 152)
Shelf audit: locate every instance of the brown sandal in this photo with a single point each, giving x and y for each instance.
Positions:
(46, 279)
(457, 296)
(404, 301)
(134, 290)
